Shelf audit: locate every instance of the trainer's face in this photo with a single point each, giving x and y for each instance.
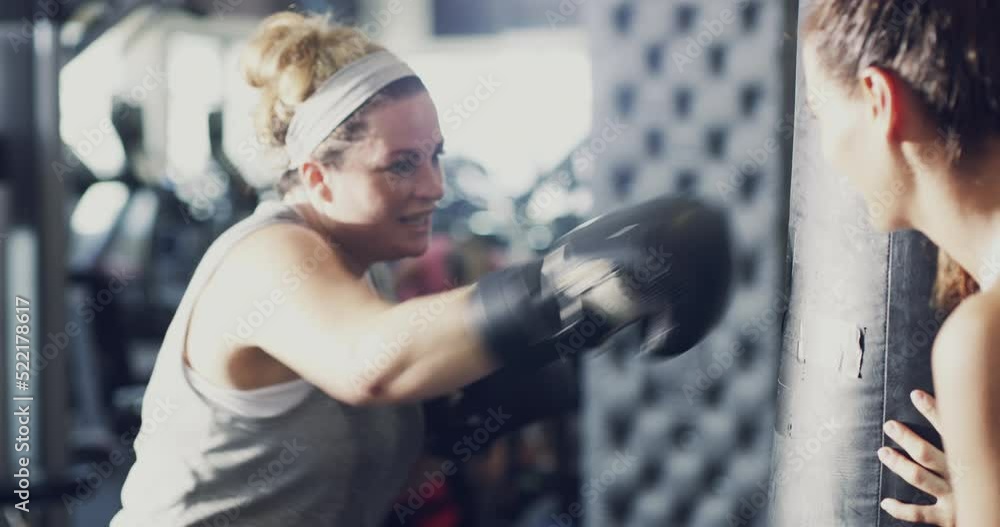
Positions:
(855, 142)
(391, 181)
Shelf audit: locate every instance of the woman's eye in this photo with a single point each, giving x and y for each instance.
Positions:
(401, 167)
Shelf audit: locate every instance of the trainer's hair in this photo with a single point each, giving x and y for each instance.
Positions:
(947, 52)
(953, 283)
(288, 57)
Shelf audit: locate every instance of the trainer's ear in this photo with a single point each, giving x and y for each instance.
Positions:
(885, 96)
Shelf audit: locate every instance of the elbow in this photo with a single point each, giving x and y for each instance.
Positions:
(377, 383)
(365, 374)
(359, 390)
(367, 394)
(409, 384)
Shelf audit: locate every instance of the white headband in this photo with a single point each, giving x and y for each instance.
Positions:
(336, 99)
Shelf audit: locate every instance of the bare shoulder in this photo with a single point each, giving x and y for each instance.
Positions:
(279, 258)
(277, 249)
(258, 264)
(967, 349)
(285, 258)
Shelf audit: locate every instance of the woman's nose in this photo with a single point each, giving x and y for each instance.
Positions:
(430, 184)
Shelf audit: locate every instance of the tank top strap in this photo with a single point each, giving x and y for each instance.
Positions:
(266, 214)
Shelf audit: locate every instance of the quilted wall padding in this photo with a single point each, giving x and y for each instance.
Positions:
(695, 89)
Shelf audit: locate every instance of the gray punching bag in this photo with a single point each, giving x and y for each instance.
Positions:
(856, 340)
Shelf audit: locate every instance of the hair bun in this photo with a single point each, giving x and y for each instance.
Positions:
(284, 47)
(288, 57)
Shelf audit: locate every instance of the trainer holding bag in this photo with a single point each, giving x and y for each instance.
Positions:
(312, 416)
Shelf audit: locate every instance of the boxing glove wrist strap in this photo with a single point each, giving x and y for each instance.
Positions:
(512, 313)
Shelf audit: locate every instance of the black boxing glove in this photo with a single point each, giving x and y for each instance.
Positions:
(505, 401)
(664, 264)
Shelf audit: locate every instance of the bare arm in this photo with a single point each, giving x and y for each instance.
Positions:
(966, 363)
(331, 329)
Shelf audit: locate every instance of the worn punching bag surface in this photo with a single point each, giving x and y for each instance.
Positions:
(856, 340)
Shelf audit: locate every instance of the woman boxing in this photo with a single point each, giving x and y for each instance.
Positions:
(907, 97)
(285, 390)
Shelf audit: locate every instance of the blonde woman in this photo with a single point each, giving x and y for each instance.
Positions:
(285, 392)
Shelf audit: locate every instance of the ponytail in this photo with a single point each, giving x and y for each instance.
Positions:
(953, 283)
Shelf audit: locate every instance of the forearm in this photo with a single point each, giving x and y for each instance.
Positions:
(423, 348)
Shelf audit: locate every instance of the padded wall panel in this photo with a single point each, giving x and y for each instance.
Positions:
(697, 86)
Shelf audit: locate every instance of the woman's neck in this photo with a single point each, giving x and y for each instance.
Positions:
(352, 258)
(962, 216)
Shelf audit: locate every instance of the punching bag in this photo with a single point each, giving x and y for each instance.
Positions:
(856, 341)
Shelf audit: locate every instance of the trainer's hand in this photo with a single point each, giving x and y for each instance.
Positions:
(925, 469)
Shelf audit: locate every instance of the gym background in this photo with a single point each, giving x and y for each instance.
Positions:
(126, 147)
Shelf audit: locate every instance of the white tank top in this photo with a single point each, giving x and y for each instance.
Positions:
(286, 455)
(267, 401)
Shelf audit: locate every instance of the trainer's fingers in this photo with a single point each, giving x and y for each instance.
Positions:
(927, 405)
(919, 449)
(912, 513)
(913, 473)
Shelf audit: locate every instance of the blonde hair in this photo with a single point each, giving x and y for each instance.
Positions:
(288, 57)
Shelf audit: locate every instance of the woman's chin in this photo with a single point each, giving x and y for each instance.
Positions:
(414, 248)
(884, 223)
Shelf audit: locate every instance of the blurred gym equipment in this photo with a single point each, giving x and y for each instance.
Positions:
(79, 248)
(33, 250)
(128, 295)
